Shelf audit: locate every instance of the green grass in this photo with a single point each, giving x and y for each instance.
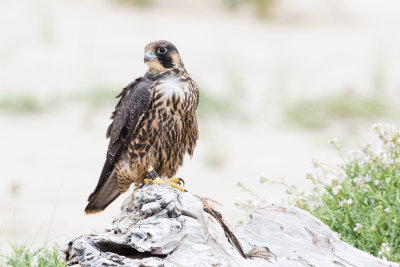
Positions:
(321, 112)
(211, 105)
(22, 256)
(214, 159)
(97, 97)
(215, 156)
(101, 96)
(24, 103)
(262, 8)
(136, 3)
(21, 104)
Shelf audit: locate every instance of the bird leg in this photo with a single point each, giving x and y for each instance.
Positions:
(154, 178)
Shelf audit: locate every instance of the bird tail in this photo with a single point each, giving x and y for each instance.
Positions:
(102, 197)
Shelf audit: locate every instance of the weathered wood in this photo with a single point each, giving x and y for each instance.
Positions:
(296, 238)
(161, 226)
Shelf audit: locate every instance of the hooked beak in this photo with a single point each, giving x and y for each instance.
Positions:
(149, 55)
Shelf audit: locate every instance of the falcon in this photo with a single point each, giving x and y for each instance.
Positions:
(154, 125)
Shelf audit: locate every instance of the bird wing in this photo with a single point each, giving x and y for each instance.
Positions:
(135, 101)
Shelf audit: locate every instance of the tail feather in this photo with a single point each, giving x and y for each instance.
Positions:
(106, 194)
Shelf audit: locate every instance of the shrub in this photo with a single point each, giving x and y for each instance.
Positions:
(358, 198)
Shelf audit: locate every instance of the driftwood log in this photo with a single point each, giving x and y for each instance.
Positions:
(161, 226)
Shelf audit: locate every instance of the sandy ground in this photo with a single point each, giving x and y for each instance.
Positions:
(51, 162)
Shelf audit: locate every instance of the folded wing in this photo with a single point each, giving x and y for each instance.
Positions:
(135, 101)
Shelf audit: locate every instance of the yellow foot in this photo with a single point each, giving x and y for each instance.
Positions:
(174, 182)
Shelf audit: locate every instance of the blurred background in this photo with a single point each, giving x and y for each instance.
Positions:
(278, 78)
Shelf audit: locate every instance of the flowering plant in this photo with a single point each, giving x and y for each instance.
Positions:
(360, 197)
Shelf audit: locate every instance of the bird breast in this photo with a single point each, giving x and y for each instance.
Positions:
(173, 86)
(174, 95)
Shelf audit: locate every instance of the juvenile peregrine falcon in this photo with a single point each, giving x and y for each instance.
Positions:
(154, 125)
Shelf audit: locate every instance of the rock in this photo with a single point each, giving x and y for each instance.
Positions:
(161, 226)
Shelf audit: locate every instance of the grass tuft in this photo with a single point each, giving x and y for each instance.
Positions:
(98, 97)
(210, 105)
(215, 156)
(262, 8)
(101, 96)
(23, 103)
(320, 112)
(135, 3)
(20, 104)
(22, 256)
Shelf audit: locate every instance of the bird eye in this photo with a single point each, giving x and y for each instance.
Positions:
(162, 50)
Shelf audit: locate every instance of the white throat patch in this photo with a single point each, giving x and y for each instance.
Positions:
(172, 86)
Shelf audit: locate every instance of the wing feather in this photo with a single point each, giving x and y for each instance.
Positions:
(134, 102)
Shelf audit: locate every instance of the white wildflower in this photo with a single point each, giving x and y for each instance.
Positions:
(366, 160)
(318, 204)
(335, 179)
(346, 202)
(334, 142)
(377, 126)
(312, 176)
(357, 228)
(367, 179)
(264, 179)
(357, 181)
(315, 162)
(336, 189)
(291, 189)
(355, 155)
(387, 210)
(366, 147)
(384, 252)
(252, 203)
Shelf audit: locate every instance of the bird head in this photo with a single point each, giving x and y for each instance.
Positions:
(161, 55)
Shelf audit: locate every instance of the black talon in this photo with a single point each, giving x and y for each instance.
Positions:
(152, 175)
(181, 182)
